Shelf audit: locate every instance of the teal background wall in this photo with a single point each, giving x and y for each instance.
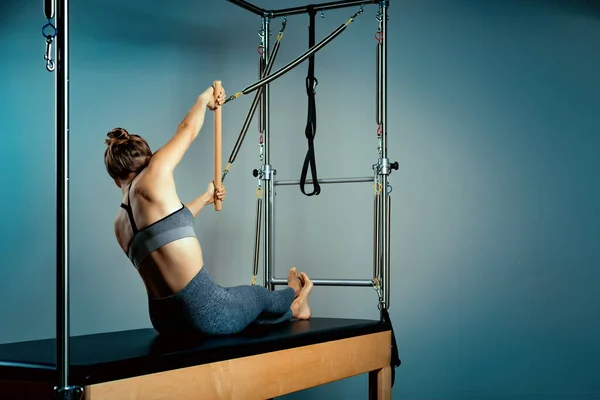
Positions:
(494, 119)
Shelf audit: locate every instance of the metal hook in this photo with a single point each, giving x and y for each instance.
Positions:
(48, 55)
(378, 16)
(360, 11)
(49, 32)
(283, 25)
(381, 303)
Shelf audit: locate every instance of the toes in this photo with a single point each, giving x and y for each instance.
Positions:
(300, 278)
(307, 282)
(293, 274)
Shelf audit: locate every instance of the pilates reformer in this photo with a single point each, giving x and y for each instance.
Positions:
(261, 362)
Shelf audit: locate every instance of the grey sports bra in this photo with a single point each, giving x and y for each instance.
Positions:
(177, 225)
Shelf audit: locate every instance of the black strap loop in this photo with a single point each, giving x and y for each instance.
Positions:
(311, 120)
(395, 362)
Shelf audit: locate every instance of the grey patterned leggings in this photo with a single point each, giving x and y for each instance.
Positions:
(206, 307)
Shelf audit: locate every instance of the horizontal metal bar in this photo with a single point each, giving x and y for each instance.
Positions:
(250, 7)
(326, 181)
(320, 7)
(331, 282)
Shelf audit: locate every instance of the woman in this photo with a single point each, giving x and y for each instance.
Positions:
(156, 231)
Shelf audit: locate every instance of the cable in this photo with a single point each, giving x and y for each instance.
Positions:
(297, 61)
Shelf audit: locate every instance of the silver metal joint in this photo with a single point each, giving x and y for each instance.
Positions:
(383, 165)
(267, 172)
(68, 393)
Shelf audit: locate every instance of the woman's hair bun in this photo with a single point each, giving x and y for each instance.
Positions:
(117, 135)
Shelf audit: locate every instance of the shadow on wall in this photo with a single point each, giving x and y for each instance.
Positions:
(588, 7)
(7, 7)
(135, 23)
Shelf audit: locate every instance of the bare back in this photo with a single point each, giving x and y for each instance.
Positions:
(152, 197)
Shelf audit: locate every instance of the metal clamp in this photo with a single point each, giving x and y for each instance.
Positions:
(265, 172)
(384, 167)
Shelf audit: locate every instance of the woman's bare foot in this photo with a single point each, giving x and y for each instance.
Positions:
(300, 307)
(294, 281)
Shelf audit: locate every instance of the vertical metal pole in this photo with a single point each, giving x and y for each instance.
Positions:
(377, 263)
(62, 389)
(62, 192)
(384, 154)
(268, 272)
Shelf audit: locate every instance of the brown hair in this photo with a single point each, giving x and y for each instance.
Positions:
(125, 153)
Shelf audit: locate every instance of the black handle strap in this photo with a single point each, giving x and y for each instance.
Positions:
(311, 120)
(395, 362)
